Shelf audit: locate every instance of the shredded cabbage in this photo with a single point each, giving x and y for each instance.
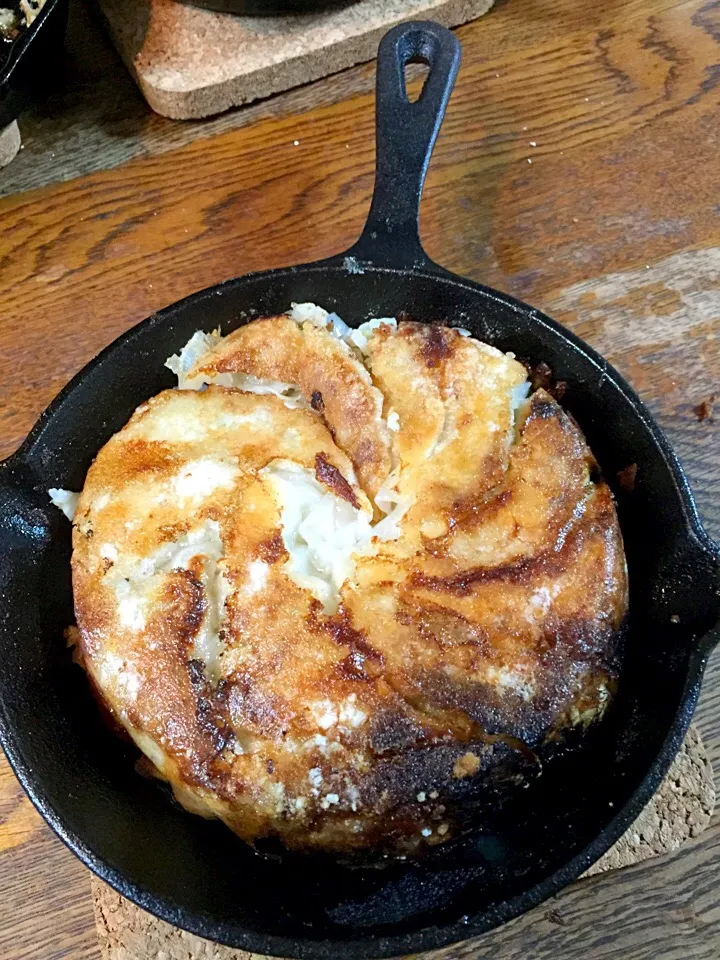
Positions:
(64, 500)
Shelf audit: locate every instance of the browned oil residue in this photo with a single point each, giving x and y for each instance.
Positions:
(329, 474)
(627, 477)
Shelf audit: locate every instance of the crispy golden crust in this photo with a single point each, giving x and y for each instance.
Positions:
(329, 375)
(486, 629)
(452, 397)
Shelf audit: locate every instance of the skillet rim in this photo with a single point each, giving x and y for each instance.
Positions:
(435, 936)
(431, 271)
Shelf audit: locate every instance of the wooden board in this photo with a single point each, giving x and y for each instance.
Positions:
(614, 228)
(190, 62)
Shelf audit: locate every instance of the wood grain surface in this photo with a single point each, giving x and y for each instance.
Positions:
(613, 227)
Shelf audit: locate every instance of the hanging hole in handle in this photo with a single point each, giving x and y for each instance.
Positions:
(417, 71)
(417, 51)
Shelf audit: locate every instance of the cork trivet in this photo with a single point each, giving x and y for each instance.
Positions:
(190, 62)
(680, 809)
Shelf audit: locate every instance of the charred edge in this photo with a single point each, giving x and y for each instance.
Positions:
(564, 647)
(590, 641)
(548, 563)
(542, 378)
(471, 512)
(212, 711)
(475, 713)
(462, 583)
(328, 474)
(363, 662)
(436, 346)
(317, 402)
(439, 704)
(196, 671)
(542, 409)
(453, 721)
(448, 772)
(214, 723)
(393, 732)
(271, 550)
(187, 596)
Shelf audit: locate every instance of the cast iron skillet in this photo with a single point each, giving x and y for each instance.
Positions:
(194, 873)
(30, 66)
(271, 8)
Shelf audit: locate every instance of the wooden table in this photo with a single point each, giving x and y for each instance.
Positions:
(577, 168)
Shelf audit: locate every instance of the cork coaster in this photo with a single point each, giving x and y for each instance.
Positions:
(681, 809)
(190, 62)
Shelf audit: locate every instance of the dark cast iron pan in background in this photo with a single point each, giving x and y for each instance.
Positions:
(30, 66)
(271, 8)
(194, 873)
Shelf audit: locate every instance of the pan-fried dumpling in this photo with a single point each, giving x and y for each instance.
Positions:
(342, 579)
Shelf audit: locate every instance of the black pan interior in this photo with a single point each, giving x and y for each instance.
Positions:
(30, 65)
(193, 872)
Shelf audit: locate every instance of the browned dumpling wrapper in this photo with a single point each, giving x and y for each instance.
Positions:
(341, 580)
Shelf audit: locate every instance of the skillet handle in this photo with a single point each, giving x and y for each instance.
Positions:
(405, 135)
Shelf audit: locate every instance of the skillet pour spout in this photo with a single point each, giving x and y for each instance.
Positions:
(193, 873)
